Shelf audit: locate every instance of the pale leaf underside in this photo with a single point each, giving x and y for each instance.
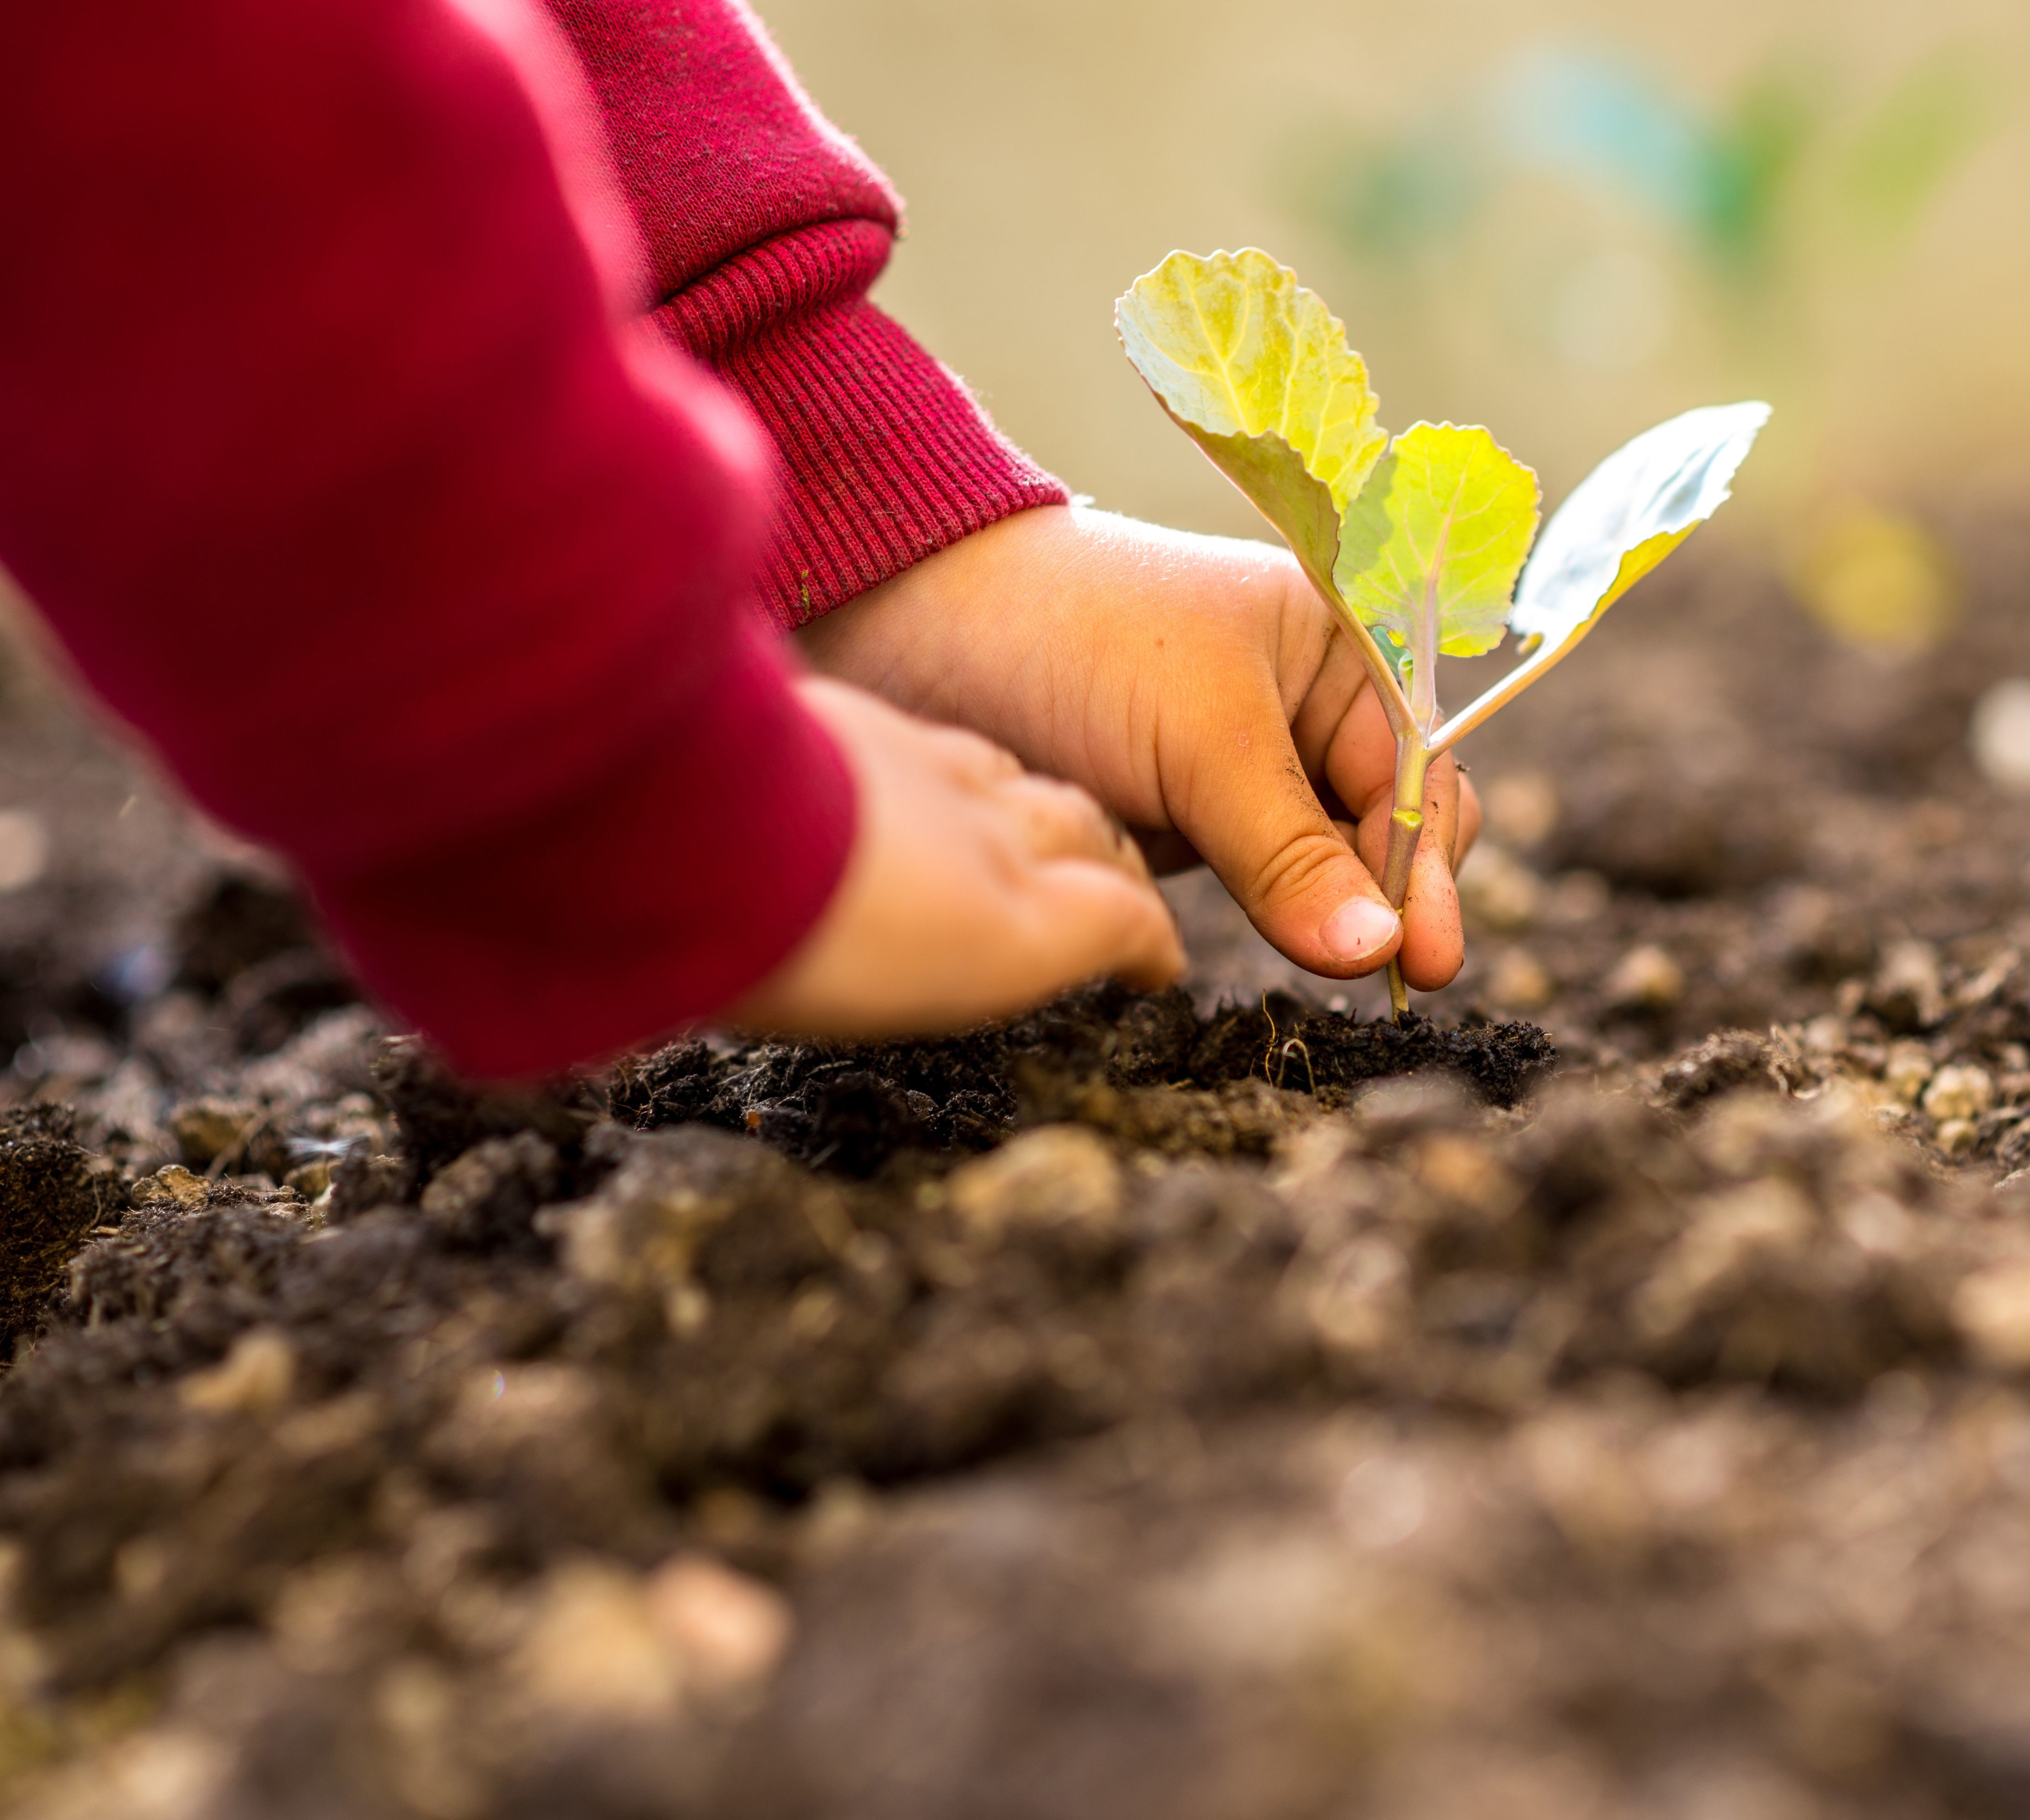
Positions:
(1618, 523)
(1628, 515)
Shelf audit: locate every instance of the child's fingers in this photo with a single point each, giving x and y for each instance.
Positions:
(1433, 939)
(1061, 822)
(973, 890)
(1242, 801)
(1359, 757)
(1469, 821)
(1359, 763)
(1321, 716)
(1094, 921)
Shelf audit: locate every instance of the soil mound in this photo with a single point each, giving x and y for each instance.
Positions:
(1213, 1405)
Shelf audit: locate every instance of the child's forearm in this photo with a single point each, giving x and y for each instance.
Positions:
(321, 457)
(764, 226)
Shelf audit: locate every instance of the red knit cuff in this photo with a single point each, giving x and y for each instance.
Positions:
(578, 932)
(885, 455)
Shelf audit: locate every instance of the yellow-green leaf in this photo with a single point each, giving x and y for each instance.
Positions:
(1430, 550)
(1626, 516)
(1255, 369)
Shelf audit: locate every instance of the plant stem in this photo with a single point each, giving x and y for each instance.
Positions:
(1406, 824)
(1395, 704)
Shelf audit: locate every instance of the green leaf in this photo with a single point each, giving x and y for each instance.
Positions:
(1430, 550)
(1256, 370)
(1937, 117)
(1626, 516)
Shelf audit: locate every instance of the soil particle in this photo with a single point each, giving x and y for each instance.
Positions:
(209, 1127)
(486, 1198)
(241, 920)
(1727, 1061)
(51, 1196)
(439, 1117)
(1053, 1179)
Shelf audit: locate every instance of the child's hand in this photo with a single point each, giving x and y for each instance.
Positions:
(1194, 686)
(974, 889)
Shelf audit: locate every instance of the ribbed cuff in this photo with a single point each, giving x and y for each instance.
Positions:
(658, 894)
(885, 455)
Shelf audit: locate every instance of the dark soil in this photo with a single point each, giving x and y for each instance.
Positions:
(1215, 1405)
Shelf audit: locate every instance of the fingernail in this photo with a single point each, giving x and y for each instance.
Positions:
(1358, 928)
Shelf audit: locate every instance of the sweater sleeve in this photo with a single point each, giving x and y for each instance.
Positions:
(763, 227)
(324, 460)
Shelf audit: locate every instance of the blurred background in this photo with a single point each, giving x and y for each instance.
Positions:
(1562, 218)
(1566, 219)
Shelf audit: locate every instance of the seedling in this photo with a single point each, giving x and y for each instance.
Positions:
(1416, 543)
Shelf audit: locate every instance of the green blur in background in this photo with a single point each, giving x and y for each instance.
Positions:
(1563, 221)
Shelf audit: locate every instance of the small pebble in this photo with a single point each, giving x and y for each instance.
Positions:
(1956, 1136)
(729, 1629)
(205, 1129)
(1520, 982)
(1826, 1034)
(1646, 978)
(1908, 1070)
(1050, 1175)
(1906, 988)
(1991, 1309)
(1877, 1224)
(255, 1377)
(1522, 808)
(1382, 1502)
(1463, 1171)
(593, 1652)
(1577, 897)
(1498, 891)
(174, 1185)
(2000, 735)
(1958, 1093)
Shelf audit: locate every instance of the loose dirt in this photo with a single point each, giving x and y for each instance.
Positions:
(1607, 1395)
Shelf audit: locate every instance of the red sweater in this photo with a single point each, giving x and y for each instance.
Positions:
(321, 452)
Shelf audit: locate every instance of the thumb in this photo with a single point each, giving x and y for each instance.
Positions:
(1247, 806)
